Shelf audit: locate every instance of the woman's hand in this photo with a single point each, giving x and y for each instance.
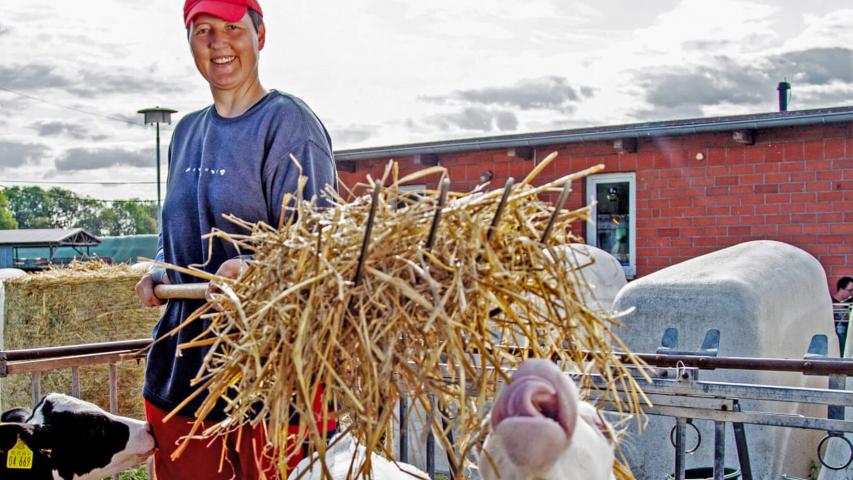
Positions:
(145, 290)
(229, 269)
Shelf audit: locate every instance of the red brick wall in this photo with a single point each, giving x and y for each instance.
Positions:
(794, 185)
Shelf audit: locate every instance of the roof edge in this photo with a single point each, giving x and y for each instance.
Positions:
(639, 130)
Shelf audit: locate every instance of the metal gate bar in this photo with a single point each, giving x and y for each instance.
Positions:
(680, 438)
(404, 429)
(742, 448)
(719, 450)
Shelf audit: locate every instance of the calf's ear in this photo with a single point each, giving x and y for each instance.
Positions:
(11, 432)
(19, 415)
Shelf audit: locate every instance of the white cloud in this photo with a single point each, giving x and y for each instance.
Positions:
(698, 20)
(17, 154)
(474, 120)
(351, 136)
(549, 92)
(832, 29)
(456, 10)
(77, 159)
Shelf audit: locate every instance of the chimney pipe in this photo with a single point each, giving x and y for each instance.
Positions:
(783, 88)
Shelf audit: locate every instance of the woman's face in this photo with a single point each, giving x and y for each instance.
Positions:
(226, 53)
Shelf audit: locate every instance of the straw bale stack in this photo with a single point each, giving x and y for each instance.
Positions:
(368, 300)
(82, 303)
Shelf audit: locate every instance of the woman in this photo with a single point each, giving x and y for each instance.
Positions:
(232, 157)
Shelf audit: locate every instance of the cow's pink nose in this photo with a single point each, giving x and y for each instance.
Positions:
(150, 432)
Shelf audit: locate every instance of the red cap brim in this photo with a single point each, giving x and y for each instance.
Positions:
(226, 11)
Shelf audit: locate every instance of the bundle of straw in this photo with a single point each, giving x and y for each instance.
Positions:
(393, 294)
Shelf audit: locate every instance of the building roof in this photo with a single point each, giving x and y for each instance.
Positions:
(47, 237)
(636, 130)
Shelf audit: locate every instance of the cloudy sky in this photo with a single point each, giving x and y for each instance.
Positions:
(381, 72)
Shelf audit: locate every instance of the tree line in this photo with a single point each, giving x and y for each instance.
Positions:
(35, 207)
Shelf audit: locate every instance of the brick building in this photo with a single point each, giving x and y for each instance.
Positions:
(676, 189)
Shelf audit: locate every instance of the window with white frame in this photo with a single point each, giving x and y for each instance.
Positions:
(612, 224)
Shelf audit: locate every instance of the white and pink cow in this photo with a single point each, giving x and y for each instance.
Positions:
(540, 429)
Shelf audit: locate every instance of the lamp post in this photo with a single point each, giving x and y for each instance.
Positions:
(157, 116)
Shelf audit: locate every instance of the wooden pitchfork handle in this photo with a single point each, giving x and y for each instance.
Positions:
(185, 291)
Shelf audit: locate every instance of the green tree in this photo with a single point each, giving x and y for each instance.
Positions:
(34, 207)
(88, 214)
(7, 217)
(127, 217)
(134, 218)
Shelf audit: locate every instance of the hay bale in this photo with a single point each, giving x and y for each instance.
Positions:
(5, 275)
(83, 303)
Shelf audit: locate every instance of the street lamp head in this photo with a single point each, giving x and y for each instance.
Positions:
(157, 115)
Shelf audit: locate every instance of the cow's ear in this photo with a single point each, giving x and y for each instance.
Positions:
(19, 415)
(11, 432)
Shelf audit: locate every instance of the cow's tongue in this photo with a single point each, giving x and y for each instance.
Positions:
(530, 397)
(535, 415)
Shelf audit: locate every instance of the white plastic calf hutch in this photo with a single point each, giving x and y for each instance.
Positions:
(767, 299)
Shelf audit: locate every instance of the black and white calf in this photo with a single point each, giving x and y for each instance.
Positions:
(65, 438)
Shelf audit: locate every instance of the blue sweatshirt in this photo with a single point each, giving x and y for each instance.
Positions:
(239, 166)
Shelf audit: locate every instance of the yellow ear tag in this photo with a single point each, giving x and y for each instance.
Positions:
(20, 456)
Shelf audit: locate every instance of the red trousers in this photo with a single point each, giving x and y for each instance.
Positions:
(203, 459)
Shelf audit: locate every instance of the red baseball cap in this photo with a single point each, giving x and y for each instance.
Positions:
(228, 10)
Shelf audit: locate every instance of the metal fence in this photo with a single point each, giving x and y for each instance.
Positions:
(675, 391)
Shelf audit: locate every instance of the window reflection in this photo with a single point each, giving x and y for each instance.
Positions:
(613, 220)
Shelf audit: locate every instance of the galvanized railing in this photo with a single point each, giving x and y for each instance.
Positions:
(675, 391)
(679, 393)
(36, 361)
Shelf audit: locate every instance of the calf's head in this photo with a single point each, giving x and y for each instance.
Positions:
(17, 436)
(83, 440)
(542, 430)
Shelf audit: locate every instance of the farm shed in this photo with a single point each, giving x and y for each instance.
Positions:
(123, 248)
(674, 190)
(12, 241)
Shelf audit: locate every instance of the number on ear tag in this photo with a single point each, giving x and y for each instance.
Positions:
(19, 457)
